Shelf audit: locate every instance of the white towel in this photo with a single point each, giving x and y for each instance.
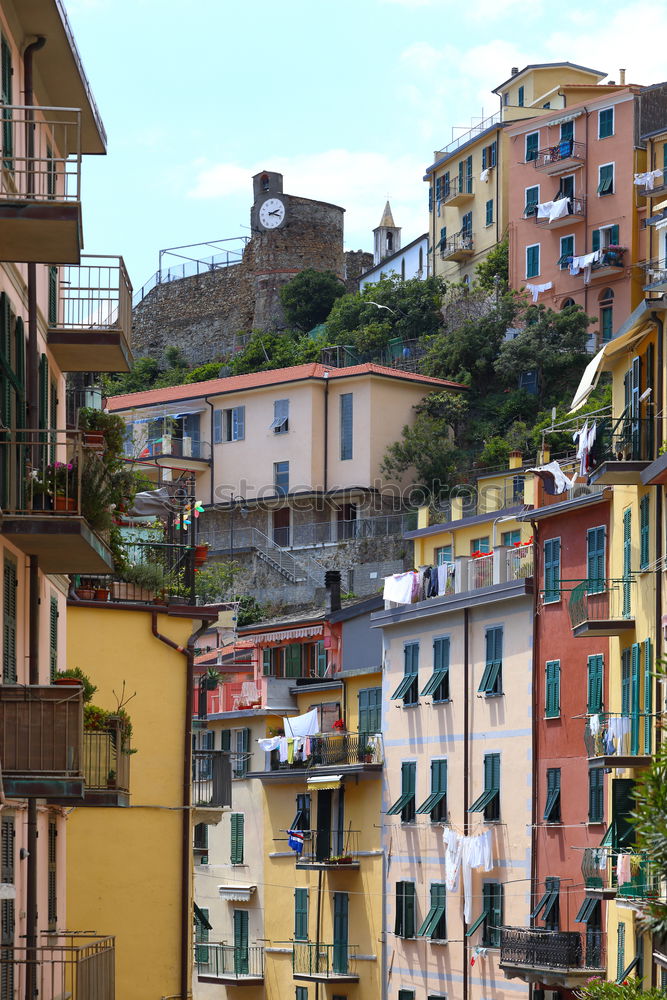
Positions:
(535, 290)
(559, 209)
(398, 588)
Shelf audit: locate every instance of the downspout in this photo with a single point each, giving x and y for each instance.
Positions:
(318, 926)
(658, 516)
(535, 716)
(32, 365)
(326, 431)
(186, 853)
(466, 774)
(207, 400)
(586, 112)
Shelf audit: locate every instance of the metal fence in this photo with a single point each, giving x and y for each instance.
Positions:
(542, 949)
(40, 150)
(41, 730)
(566, 149)
(73, 965)
(599, 867)
(228, 961)
(325, 960)
(41, 471)
(601, 601)
(94, 295)
(211, 779)
(618, 734)
(331, 847)
(334, 750)
(106, 757)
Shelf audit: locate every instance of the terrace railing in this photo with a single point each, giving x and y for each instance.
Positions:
(40, 153)
(534, 948)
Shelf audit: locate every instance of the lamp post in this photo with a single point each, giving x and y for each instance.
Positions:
(244, 511)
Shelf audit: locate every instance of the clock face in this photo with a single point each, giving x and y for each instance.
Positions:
(271, 213)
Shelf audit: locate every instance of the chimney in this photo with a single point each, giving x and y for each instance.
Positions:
(332, 584)
(515, 70)
(621, 76)
(544, 455)
(516, 459)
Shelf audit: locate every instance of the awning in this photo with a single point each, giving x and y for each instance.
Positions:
(325, 782)
(201, 919)
(293, 633)
(588, 381)
(605, 359)
(564, 119)
(236, 893)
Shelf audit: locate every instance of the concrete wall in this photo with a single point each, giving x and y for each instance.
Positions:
(411, 262)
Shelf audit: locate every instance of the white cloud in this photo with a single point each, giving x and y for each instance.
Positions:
(360, 182)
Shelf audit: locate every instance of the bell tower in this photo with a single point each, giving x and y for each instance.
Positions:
(387, 237)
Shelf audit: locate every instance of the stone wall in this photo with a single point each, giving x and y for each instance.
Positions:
(356, 263)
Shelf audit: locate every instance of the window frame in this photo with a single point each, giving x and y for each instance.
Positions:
(604, 189)
(552, 806)
(489, 801)
(280, 422)
(552, 689)
(346, 414)
(437, 686)
(552, 589)
(594, 707)
(408, 689)
(434, 925)
(237, 839)
(405, 803)
(489, 213)
(604, 111)
(406, 907)
(301, 913)
(491, 684)
(436, 803)
(528, 157)
(529, 203)
(644, 531)
(534, 247)
(566, 253)
(281, 490)
(233, 428)
(596, 795)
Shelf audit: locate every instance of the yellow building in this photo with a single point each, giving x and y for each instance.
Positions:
(129, 868)
(468, 179)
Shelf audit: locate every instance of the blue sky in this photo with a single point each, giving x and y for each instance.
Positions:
(348, 98)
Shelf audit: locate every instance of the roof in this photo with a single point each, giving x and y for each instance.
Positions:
(566, 506)
(387, 219)
(554, 116)
(398, 253)
(586, 69)
(260, 380)
(464, 522)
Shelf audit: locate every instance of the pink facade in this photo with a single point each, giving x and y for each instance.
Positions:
(586, 153)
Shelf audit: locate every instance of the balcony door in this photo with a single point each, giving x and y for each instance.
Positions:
(241, 942)
(324, 815)
(340, 945)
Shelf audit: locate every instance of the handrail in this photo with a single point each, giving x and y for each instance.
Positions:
(466, 136)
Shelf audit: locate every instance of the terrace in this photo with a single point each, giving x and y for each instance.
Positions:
(553, 958)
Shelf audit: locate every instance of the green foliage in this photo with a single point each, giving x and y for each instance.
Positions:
(307, 299)
(214, 582)
(89, 688)
(265, 351)
(204, 372)
(250, 611)
(651, 827)
(629, 989)
(142, 376)
(493, 272)
(426, 446)
(468, 352)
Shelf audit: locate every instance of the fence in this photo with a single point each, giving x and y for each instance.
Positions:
(106, 757)
(542, 949)
(40, 149)
(72, 965)
(598, 601)
(41, 471)
(211, 779)
(618, 734)
(335, 750)
(228, 961)
(566, 149)
(94, 295)
(324, 960)
(41, 730)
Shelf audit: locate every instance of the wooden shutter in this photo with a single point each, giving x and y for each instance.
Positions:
(627, 561)
(201, 935)
(552, 707)
(625, 682)
(53, 636)
(237, 824)
(622, 806)
(7, 910)
(634, 703)
(615, 233)
(595, 543)
(53, 296)
(595, 795)
(6, 98)
(644, 532)
(346, 428)
(9, 673)
(43, 390)
(595, 239)
(620, 950)
(648, 695)
(594, 684)
(217, 427)
(293, 660)
(340, 932)
(438, 775)
(301, 914)
(266, 662)
(552, 570)
(52, 902)
(226, 740)
(409, 898)
(241, 942)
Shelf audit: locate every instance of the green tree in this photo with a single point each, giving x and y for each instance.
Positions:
(428, 446)
(202, 373)
(493, 272)
(214, 582)
(468, 352)
(307, 299)
(265, 351)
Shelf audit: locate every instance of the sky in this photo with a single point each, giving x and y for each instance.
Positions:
(348, 99)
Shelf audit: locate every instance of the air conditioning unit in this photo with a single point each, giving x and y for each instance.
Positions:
(187, 447)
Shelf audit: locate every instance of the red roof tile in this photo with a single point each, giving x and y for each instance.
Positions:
(257, 380)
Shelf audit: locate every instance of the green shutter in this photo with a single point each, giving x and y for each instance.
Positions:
(301, 914)
(595, 795)
(43, 391)
(620, 950)
(644, 532)
(648, 695)
(266, 663)
(595, 239)
(489, 212)
(409, 905)
(614, 236)
(321, 658)
(9, 671)
(241, 942)
(594, 684)
(201, 936)
(6, 99)
(340, 933)
(52, 876)
(293, 660)
(634, 700)
(552, 570)
(492, 900)
(622, 807)
(53, 296)
(226, 740)
(552, 707)
(53, 637)
(595, 556)
(236, 854)
(627, 562)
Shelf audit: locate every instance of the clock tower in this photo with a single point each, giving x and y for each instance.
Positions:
(269, 207)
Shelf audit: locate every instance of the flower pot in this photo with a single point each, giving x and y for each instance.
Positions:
(64, 503)
(368, 758)
(42, 501)
(67, 682)
(85, 593)
(123, 591)
(94, 439)
(101, 594)
(201, 552)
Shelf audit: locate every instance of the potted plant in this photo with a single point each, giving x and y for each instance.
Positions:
(102, 593)
(369, 753)
(339, 725)
(74, 675)
(212, 679)
(111, 779)
(201, 553)
(85, 591)
(37, 492)
(141, 582)
(61, 479)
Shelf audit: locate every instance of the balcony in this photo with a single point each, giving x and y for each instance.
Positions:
(211, 785)
(553, 958)
(656, 276)
(43, 478)
(40, 183)
(623, 449)
(230, 965)
(329, 963)
(610, 263)
(329, 850)
(106, 765)
(602, 882)
(618, 740)
(327, 753)
(90, 328)
(459, 247)
(75, 965)
(601, 608)
(183, 453)
(41, 730)
(575, 212)
(461, 191)
(559, 159)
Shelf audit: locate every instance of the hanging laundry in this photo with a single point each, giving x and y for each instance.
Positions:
(544, 209)
(433, 582)
(623, 871)
(269, 744)
(580, 438)
(536, 290)
(648, 178)
(295, 840)
(584, 263)
(465, 853)
(485, 174)
(559, 209)
(553, 478)
(594, 724)
(302, 725)
(453, 850)
(398, 588)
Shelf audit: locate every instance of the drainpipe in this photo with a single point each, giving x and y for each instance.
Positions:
(318, 927)
(186, 850)
(32, 366)
(659, 322)
(326, 432)
(466, 772)
(207, 400)
(535, 713)
(32, 871)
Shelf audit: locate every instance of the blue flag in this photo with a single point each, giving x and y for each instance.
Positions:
(295, 840)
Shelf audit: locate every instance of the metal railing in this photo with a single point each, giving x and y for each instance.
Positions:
(192, 267)
(484, 499)
(458, 186)
(40, 153)
(106, 757)
(331, 847)
(73, 965)
(293, 569)
(610, 258)
(656, 272)
(211, 779)
(565, 150)
(456, 244)
(520, 562)
(601, 601)
(175, 447)
(577, 206)
(599, 868)
(41, 729)
(471, 133)
(325, 960)
(326, 532)
(95, 295)
(41, 471)
(626, 438)
(169, 573)
(621, 734)
(334, 750)
(228, 961)
(542, 949)
(480, 571)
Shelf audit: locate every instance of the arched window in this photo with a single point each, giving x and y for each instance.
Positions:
(606, 301)
(390, 242)
(264, 181)
(567, 302)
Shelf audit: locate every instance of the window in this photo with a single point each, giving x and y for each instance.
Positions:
(468, 183)
(489, 800)
(620, 951)
(53, 636)
(648, 694)
(234, 423)
(293, 660)
(300, 914)
(595, 559)
(595, 795)
(466, 226)
(442, 555)
(532, 201)
(594, 674)
(606, 179)
(509, 538)
(435, 922)
(200, 838)
(491, 916)
(605, 123)
(606, 300)
(406, 995)
(532, 146)
(566, 252)
(548, 906)
(301, 819)
(644, 532)
(480, 545)
(346, 426)
(52, 886)
(446, 187)
(489, 212)
(605, 237)
(281, 478)
(436, 803)
(552, 570)
(566, 131)
(533, 260)
(405, 910)
(520, 97)
(443, 237)
(405, 805)
(242, 752)
(301, 993)
(201, 935)
(438, 683)
(567, 303)
(6, 99)
(370, 710)
(10, 583)
(489, 155)
(236, 850)
(552, 806)
(552, 690)
(407, 689)
(492, 678)
(53, 296)
(280, 423)
(627, 562)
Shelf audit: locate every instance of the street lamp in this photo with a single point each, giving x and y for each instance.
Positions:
(244, 511)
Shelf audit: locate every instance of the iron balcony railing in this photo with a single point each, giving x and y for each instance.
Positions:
(95, 295)
(338, 749)
(157, 570)
(40, 153)
(41, 471)
(228, 961)
(520, 562)
(173, 447)
(330, 848)
(610, 257)
(577, 206)
(620, 734)
(458, 186)
(41, 730)
(533, 948)
(656, 274)
(320, 532)
(565, 150)
(75, 965)
(471, 133)
(456, 244)
(323, 960)
(211, 779)
(600, 865)
(598, 601)
(106, 757)
(482, 498)
(628, 438)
